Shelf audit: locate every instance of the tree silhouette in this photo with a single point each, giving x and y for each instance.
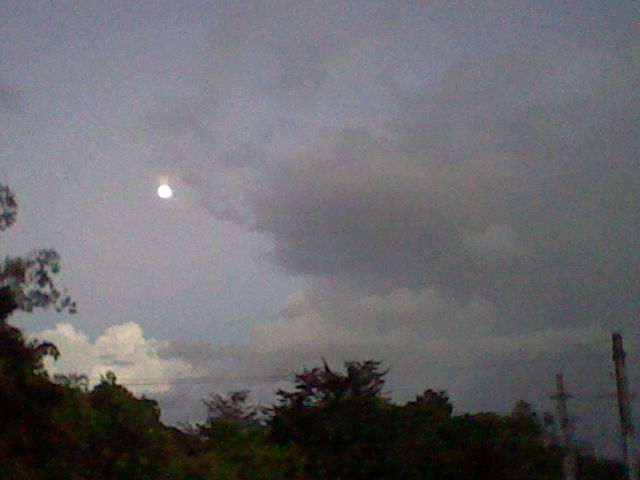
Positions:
(8, 207)
(340, 421)
(27, 282)
(72, 380)
(231, 408)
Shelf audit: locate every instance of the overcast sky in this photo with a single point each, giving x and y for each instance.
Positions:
(447, 186)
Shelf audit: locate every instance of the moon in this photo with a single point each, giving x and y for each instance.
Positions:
(165, 191)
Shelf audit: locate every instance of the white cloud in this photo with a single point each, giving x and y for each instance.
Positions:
(122, 349)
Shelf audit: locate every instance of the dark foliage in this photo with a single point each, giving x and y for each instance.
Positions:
(8, 207)
(331, 426)
(339, 421)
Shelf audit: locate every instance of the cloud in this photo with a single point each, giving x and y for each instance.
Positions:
(505, 174)
(405, 327)
(448, 181)
(122, 349)
(9, 97)
(496, 240)
(476, 166)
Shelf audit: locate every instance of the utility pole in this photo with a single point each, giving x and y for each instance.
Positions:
(624, 406)
(569, 465)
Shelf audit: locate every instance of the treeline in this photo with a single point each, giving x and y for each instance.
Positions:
(331, 425)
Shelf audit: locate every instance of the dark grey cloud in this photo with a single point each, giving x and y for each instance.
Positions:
(192, 352)
(519, 187)
(456, 185)
(9, 97)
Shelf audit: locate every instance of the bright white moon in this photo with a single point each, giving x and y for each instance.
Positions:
(164, 191)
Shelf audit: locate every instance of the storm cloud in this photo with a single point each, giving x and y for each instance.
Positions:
(442, 178)
(413, 147)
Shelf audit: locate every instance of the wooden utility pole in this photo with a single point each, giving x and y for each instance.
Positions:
(569, 465)
(624, 406)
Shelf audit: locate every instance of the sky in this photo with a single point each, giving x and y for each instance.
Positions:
(449, 187)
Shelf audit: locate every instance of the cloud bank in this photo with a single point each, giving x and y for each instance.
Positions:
(427, 147)
(449, 181)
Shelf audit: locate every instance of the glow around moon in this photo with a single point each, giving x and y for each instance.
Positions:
(165, 191)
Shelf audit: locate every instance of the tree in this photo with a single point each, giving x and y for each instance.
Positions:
(436, 406)
(232, 408)
(30, 279)
(8, 207)
(323, 385)
(234, 439)
(228, 417)
(73, 380)
(27, 399)
(27, 282)
(40, 350)
(488, 446)
(340, 421)
(420, 425)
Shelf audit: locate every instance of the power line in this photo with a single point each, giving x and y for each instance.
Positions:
(510, 361)
(199, 380)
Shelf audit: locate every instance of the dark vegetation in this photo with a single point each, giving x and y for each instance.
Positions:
(332, 425)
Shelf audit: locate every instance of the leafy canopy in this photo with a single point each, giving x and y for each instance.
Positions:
(29, 280)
